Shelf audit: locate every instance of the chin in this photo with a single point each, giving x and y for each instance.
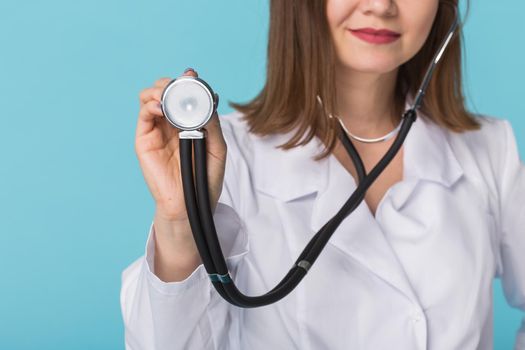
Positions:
(375, 64)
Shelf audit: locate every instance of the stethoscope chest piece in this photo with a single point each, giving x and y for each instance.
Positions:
(188, 103)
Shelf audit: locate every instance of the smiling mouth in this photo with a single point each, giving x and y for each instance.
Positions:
(375, 36)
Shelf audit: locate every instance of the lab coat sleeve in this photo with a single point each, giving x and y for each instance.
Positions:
(188, 314)
(512, 226)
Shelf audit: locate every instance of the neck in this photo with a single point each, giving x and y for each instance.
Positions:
(365, 101)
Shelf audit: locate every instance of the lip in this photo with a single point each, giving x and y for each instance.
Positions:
(375, 36)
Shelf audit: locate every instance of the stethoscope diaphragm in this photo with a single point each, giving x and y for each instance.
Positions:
(188, 103)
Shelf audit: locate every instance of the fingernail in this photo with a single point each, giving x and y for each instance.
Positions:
(188, 69)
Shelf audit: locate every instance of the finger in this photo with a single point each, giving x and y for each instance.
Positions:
(215, 137)
(190, 72)
(214, 126)
(147, 115)
(146, 95)
(162, 82)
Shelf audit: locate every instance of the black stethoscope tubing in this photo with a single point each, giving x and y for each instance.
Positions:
(205, 235)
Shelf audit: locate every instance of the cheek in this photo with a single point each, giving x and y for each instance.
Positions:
(418, 29)
(337, 11)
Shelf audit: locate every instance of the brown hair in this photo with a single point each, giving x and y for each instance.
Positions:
(300, 65)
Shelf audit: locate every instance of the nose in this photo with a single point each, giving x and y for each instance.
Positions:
(379, 7)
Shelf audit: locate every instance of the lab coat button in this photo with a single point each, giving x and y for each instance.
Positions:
(417, 316)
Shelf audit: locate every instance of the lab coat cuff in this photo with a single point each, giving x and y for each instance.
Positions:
(234, 244)
(197, 277)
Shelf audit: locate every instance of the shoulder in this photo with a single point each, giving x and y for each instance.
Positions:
(234, 127)
(485, 144)
(239, 141)
(250, 158)
(482, 153)
(489, 126)
(246, 145)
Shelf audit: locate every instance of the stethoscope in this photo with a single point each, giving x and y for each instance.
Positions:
(188, 103)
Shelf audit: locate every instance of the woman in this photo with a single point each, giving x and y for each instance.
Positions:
(410, 268)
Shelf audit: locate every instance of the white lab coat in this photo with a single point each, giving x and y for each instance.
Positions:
(417, 276)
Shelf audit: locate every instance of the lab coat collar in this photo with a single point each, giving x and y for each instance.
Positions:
(292, 174)
(289, 175)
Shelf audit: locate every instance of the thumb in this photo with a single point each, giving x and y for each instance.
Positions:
(216, 145)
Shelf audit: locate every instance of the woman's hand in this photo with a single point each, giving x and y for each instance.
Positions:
(157, 148)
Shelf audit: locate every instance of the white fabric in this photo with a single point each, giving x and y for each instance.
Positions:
(417, 276)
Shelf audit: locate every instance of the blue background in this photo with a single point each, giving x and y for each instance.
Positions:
(74, 207)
